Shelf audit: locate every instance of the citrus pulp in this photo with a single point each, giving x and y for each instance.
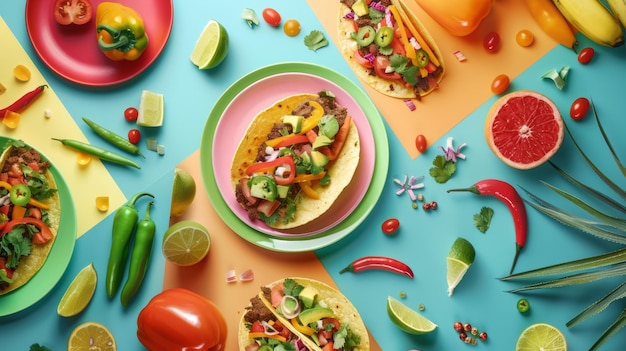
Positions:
(91, 336)
(459, 259)
(541, 336)
(78, 293)
(186, 243)
(150, 109)
(211, 47)
(408, 319)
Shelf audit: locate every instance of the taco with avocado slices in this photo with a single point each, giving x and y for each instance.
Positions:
(314, 313)
(29, 214)
(295, 159)
(386, 45)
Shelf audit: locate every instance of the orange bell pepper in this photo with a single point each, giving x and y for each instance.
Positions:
(458, 17)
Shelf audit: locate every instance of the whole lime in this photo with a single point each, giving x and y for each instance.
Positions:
(183, 192)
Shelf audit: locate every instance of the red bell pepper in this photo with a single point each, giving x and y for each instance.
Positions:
(41, 237)
(271, 165)
(181, 320)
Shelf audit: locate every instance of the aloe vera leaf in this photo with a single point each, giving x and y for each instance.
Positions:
(619, 323)
(598, 306)
(602, 176)
(608, 143)
(614, 222)
(581, 278)
(593, 262)
(597, 194)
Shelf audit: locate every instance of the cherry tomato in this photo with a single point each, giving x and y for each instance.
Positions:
(72, 11)
(585, 55)
(272, 17)
(390, 226)
(500, 84)
(131, 114)
(291, 27)
(491, 42)
(524, 38)
(134, 135)
(420, 143)
(579, 108)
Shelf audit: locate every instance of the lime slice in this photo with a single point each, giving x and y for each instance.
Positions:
(183, 192)
(211, 47)
(459, 259)
(541, 336)
(91, 336)
(150, 109)
(408, 319)
(186, 243)
(78, 293)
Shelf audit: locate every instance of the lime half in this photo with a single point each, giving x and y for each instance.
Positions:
(541, 336)
(150, 109)
(78, 293)
(211, 47)
(186, 243)
(408, 319)
(459, 259)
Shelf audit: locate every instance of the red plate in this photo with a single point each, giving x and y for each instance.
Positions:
(72, 51)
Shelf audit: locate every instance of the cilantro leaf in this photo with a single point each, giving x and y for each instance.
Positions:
(482, 220)
(443, 169)
(37, 347)
(292, 288)
(315, 40)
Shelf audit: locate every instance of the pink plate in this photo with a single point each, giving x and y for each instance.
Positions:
(72, 51)
(259, 96)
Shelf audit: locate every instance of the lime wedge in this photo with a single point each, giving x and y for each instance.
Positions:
(150, 109)
(211, 47)
(186, 243)
(459, 259)
(408, 319)
(541, 336)
(183, 192)
(78, 293)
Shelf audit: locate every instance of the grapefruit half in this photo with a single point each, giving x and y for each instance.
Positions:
(524, 129)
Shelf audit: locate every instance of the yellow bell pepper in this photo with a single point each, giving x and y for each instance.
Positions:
(120, 31)
(459, 17)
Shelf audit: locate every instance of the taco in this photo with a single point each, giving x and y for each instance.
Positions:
(295, 159)
(314, 313)
(386, 45)
(29, 214)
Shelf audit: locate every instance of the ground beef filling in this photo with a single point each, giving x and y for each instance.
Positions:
(257, 311)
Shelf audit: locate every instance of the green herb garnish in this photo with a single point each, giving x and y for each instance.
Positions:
(315, 40)
(443, 169)
(482, 220)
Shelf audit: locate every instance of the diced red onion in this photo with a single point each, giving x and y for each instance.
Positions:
(246, 275)
(231, 277)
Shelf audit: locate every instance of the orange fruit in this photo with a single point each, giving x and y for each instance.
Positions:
(524, 129)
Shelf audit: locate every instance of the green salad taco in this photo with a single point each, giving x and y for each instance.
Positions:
(29, 214)
(295, 159)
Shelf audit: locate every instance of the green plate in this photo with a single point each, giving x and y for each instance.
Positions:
(360, 212)
(58, 259)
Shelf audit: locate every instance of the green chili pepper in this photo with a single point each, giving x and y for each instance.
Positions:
(98, 152)
(20, 194)
(114, 139)
(140, 257)
(124, 223)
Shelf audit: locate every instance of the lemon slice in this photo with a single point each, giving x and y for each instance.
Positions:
(211, 47)
(186, 243)
(150, 109)
(78, 293)
(541, 336)
(91, 336)
(459, 259)
(408, 319)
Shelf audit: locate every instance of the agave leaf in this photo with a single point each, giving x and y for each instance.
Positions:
(619, 323)
(615, 257)
(599, 306)
(608, 143)
(603, 197)
(581, 278)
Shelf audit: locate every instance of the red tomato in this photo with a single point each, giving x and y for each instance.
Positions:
(134, 135)
(131, 114)
(585, 55)
(272, 17)
(291, 27)
(390, 226)
(72, 11)
(381, 62)
(579, 108)
(491, 42)
(421, 143)
(500, 84)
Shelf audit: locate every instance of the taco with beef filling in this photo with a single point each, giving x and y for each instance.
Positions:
(386, 45)
(301, 311)
(295, 159)
(29, 214)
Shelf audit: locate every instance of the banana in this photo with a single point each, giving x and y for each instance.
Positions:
(593, 20)
(619, 10)
(552, 22)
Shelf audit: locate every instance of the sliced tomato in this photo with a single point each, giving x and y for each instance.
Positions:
(72, 11)
(398, 47)
(381, 62)
(277, 294)
(333, 151)
(257, 327)
(361, 60)
(329, 346)
(245, 190)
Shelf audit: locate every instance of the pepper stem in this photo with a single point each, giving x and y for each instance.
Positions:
(136, 197)
(471, 189)
(349, 268)
(518, 249)
(123, 40)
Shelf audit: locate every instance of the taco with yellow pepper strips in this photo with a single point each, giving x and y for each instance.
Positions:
(29, 214)
(313, 314)
(386, 45)
(295, 160)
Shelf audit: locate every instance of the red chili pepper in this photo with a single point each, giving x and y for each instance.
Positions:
(506, 193)
(24, 101)
(379, 262)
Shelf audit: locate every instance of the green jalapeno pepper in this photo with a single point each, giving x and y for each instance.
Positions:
(140, 257)
(20, 194)
(124, 223)
(263, 187)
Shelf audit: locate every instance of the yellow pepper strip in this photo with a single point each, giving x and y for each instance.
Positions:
(308, 191)
(420, 40)
(308, 177)
(314, 119)
(302, 328)
(410, 50)
(32, 201)
(255, 335)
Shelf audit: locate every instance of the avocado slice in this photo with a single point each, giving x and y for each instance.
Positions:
(295, 122)
(360, 8)
(314, 314)
(321, 141)
(308, 295)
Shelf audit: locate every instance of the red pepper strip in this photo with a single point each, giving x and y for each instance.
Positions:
(506, 193)
(280, 161)
(24, 101)
(42, 237)
(332, 152)
(379, 262)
